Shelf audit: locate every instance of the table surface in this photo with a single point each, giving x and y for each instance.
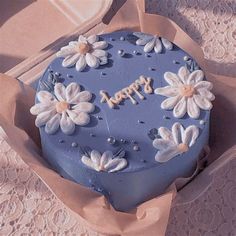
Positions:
(27, 206)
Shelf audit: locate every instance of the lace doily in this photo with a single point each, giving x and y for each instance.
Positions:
(28, 208)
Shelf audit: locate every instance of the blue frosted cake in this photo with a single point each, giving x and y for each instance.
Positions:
(124, 114)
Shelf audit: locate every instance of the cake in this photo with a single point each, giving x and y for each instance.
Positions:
(123, 114)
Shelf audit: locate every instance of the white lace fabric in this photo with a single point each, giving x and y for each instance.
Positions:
(28, 208)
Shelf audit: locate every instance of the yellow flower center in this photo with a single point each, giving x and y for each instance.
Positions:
(83, 48)
(183, 147)
(62, 106)
(187, 90)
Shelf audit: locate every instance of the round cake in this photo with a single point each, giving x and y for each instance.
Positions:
(124, 114)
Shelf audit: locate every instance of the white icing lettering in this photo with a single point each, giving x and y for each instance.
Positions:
(128, 92)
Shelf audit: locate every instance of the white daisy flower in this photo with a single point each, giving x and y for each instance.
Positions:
(151, 42)
(174, 142)
(86, 51)
(106, 162)
(187, 92)
(67, 107)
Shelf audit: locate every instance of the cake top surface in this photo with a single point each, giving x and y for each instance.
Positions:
(127, 100)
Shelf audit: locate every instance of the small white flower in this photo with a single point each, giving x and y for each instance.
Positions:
(187, 92)
(105, 162)
(174, 142)
(86, 51)
(151, 42)
(67, 107)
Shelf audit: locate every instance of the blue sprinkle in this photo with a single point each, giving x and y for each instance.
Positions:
(121, 52)
(151, 69)
(122, 140)
(111, 140)
(175, 62)
(186, 58)
(166, 117)
(99, 117)
(103, 73)
(69, 76)
(61, 141)
(74, 144)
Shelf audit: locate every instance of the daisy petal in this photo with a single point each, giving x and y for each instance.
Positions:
(161, 144)
(79, 118)
(121, 164)
(142, 35)
(65, 52)
(190, 135)
(167, 91)
(84, 107)
(158, 46)
(41, 107)
(45, 97)
(44, 117)
(112, 162)
(87, 161)
(192, 109)
(167, 44)
(167, 154)
(165, 133)
(170, 103)
(202, 102)
(66, 124)
(103, 60)
(99, 53)
(91, 60)
(143, 41)
(177, 132)
(149, 46)
(82, 39)
(53, 124)
(195, 76)
(106, 156)
(183, 74)
(60, 92)
(71, 91)
(70, 60)
(181, 108)
(95, 157)
(72, 44)
(100, 45)
(172, 79)
(81, 63)
(207, 94)
(83, 96)
(203, 84)
(92, 39)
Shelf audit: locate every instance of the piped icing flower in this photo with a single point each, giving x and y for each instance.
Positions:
(86, 51)
(174, 142)
(187, 93)
(64, 108)
(151, 42)
(107, 162)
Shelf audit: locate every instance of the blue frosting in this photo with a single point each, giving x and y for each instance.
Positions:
(143, 178)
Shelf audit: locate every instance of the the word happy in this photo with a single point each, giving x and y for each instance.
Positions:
(128, 92)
